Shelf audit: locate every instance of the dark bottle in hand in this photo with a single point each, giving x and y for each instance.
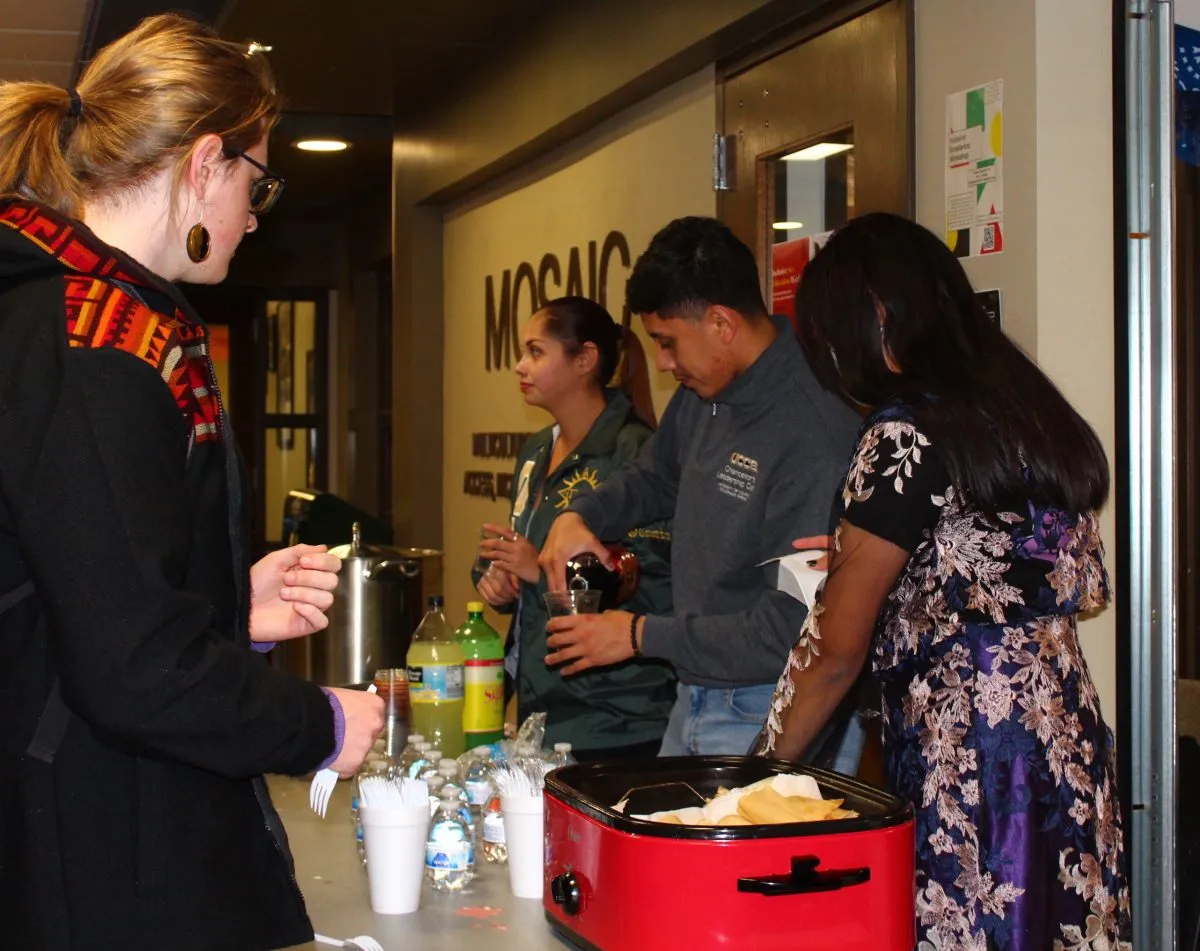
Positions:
(585, 571)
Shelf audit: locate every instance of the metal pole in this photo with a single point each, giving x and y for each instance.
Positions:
(1152, 569)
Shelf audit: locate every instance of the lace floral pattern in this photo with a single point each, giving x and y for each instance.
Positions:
(992, 724)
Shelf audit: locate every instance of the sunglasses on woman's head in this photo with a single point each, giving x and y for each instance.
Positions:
(264, 191)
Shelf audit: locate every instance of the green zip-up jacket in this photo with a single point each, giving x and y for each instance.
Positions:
(614, 706)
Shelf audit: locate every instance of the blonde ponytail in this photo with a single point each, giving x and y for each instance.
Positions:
(142, 103)
(33, 118)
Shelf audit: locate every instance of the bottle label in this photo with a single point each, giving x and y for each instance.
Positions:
(449, 856)
(483, 711)
(479, 792)
(493, 828)
(435, 683)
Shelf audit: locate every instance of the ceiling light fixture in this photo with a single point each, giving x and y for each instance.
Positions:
(787, 225)
(322, 145)
(815, 153)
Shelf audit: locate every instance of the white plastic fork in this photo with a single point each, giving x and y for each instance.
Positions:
(363, 941)
(320, 791)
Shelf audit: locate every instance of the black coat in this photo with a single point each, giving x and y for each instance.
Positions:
(120, 499)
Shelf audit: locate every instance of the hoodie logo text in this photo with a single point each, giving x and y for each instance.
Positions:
(738, 477)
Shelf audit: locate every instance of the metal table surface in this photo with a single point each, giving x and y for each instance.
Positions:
(485, 915)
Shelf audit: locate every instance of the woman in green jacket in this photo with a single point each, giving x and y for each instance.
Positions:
(571, 350)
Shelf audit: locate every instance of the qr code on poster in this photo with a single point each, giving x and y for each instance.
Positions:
(989, 239)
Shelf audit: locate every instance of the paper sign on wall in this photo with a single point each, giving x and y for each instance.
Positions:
(788, 261)
(975, 170)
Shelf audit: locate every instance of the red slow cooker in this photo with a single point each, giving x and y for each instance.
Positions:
(614, 883)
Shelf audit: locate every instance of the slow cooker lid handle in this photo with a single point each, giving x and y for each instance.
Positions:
(804, 878)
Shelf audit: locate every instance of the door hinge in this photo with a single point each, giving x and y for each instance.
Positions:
(723, 162)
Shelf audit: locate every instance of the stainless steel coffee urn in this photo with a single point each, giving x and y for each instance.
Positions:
(379, 602)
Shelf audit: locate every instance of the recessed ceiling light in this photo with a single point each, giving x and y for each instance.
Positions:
(322, 145)
(787, 225)
(822, 150)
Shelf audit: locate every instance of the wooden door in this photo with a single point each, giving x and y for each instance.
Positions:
(820, 130)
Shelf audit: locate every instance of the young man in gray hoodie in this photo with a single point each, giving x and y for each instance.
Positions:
(750, 454)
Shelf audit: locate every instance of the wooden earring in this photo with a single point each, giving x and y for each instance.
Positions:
(199, 241)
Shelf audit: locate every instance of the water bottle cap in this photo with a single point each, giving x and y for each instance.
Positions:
(434, 754)
(415, 738)
(474, 607)
(448, 771)
(562, 747)
(447, 761)
(422, 746)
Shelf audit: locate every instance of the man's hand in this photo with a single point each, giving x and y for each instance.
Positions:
(822, 542)
(589, 640)
(364, 721)
(290, 591)
(497, 587)
(569, 536)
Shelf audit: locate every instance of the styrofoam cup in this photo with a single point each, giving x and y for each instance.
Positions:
(394, 838)
(524, 825)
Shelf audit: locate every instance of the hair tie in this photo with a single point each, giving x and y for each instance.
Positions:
(76, 109)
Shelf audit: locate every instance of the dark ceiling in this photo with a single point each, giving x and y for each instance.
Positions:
(348, 70)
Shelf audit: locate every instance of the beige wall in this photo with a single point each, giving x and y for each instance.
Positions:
(582, 64)
(633, 174)
(1056, 272)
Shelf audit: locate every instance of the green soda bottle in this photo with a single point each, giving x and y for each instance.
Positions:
(435, 682)
(483, 676)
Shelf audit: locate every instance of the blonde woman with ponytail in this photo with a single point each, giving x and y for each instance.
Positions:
(572, 351)
(139, 713)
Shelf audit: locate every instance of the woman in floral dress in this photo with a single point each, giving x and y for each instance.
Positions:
(967, 546)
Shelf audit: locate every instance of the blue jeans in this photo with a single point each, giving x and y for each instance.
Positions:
(712, 721)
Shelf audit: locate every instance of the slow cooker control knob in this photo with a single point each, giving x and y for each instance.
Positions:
(564, 889)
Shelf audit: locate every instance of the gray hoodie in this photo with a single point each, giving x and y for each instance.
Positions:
(742, 476)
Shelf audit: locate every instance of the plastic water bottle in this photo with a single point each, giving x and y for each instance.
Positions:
(477, 780)
(431, 759)
(448, 770)
(409, 753)
(450, 851)
(562, 756)
(420, 760)
(495, 846)
(434, 783)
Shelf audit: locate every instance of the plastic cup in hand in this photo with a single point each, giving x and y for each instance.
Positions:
(395, 837)
(391, 686)
(482, 564)
(524, 827)
(565, 603)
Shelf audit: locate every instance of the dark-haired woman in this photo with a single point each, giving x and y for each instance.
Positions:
(966, 549)
(572, 349)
